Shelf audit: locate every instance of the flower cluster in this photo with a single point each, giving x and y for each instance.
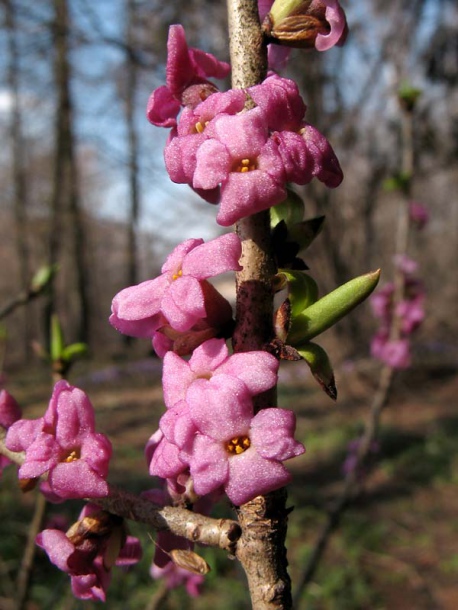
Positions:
(242, 158)
(409, 313)
(209, 431)
(64, 445)
(89, 549)
(238, 149)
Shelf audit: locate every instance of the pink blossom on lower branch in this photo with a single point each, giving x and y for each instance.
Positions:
(89, 549)
(64, 445)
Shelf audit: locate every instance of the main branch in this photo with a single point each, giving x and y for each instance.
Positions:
(261, 549)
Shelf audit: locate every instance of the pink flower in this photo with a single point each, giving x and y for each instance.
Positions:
(305, 152)
(419, 214)
(395, 354)
(405, 264)
(180, 299)
(64, 444)
(412, 313)
(211, 362)
(180, 151)
(89, 549)
(244, 161)
(186, 67)
(234, 450)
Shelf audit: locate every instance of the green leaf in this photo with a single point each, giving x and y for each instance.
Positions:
(328, 310)
(291, 210)
(57, 339)
(42, 278)
(73, 351)
(302, 290)
(320, 367)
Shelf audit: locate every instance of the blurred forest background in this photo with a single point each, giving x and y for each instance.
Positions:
(83, 185)
(83, 181)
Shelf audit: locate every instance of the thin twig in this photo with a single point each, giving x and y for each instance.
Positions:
(25, 571)
(222, 533)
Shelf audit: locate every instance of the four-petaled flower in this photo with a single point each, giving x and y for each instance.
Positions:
(180, 300)
(63, 443)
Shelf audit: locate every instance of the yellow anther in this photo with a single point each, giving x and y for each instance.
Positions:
(238, 445)
(72, 457)
(175, 276)
(199, 127)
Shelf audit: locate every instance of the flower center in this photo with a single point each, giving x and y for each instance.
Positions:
(245, 165)
(176, 275)
(199, 126)
(72, 456)
(238, 445)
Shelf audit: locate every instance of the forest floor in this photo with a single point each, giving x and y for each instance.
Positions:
(396, 547)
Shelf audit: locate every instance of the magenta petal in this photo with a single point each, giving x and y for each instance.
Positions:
(214, 257)
(162, 108)
(57, 546)
(209, 465)
(22, 433)
(176, 377)
(174, 261)
(180, 157)
(9, 410)
(220, 407)
(246, 194)
(243, 135)
(131, 552)
(77, 480)
(208, 66)
(213, 163)
(180, 70)
(250, 475)
(337, 20)
(178, 427)
(96, 450)
(272, 434)
(206, 358)
(91, 586)
(166, 462)
(75, 414)
(41, 455)
(258, 370)
(184, 304)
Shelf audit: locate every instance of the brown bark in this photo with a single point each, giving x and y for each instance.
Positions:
(66, 223)
(261, 549)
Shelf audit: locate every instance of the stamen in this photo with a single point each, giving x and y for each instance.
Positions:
(72, 457)
(200, 126)
(245, 165)
(238, 445)
(175, 276)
